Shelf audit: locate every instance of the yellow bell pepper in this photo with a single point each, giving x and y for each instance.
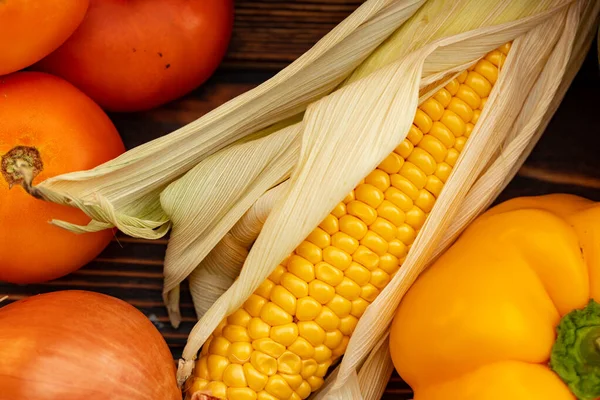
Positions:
(510, 310)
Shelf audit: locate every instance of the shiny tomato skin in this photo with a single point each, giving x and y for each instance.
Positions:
(32, 29)
(133, 55)
(71, 133)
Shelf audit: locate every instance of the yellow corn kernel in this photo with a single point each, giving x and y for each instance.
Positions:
(375, 243)
(379, 278)
(369, 194)
(422, 121)
(469, 96)
(353, 226)
(403, 150)
(414, 135)
(423, 160)
(366, 257)
(469, 129)
(308, 309)
(276, 274)
(425, 201)
(348, 289)
(241, 393)
(443, 96)
(487, 70)
(434, 147)
(302, 348)
(289, 363)
(479, 84)
(235, 333)
(322, 354)
(415, 218)
(268, 347)
(315, 383)
(264, 290)
(359, 306)
(321, 291)
(219, 345)
(432, 108)
(274, 315)
(312, 332)
(319, 238)
(460, 143)
(398, 198)
(363, 211)
(263, 363)
(406, 234)
(452, 157)
(405, 186)
(349, 197)
(201, 370)
(340, 210)
(206, 344)
(443, 134)
(461, 108)
(310, 252)
(390, 212)
(333, 339)
(216, 367)
(233, 376)
(414, 174)
(330, 224)
(397, 249)
(198, 384)
(443, 171)
(345, 242)
(384, 228)
(341, 349)
(328, 274)
(434, 185)
(217, 389)
(327, 320)
(452, 86)
(358, 273)
(302, 268)
(462, 77)
(476, 115)
(340, 306)
(337, 257)
(284, 334)
(391, 164)
(309, 367)
(294, 380)
(239, 352)
(303, 390)
(278, 387)
(295, 285)
(347, 324)
(258, 329)
(369, 293)
(262, 395)
(453, 122)
(284, 299)
(256, 380)
(483, 102)
(254, 305)
(379, 179)
(240, 318)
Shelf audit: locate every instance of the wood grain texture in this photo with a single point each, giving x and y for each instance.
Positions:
(268, 35)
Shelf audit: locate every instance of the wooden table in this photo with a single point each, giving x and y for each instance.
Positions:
(268, 35)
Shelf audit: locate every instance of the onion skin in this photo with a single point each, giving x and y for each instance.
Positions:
(78, 345)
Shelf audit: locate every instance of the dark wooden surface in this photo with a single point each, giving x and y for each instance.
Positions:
(268, 35)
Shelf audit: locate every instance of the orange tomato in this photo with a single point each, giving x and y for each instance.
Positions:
(71, 133)
(138, 54)
(32, 29)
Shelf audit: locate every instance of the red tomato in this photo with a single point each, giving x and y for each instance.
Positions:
(32, 29)
(131, 55)
(70, 132)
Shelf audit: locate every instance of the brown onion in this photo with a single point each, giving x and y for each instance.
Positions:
(78, 345)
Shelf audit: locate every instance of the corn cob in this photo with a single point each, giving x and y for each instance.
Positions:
(283, 340)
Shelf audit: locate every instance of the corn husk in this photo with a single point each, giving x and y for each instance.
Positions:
(190, 243)
(346, 134)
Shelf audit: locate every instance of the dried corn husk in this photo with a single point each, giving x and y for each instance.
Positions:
(124, 192)
(346, 134)
(190, 244)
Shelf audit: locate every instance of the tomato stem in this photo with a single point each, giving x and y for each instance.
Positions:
(20, 166)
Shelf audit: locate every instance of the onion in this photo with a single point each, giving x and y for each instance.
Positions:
(76, 345)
